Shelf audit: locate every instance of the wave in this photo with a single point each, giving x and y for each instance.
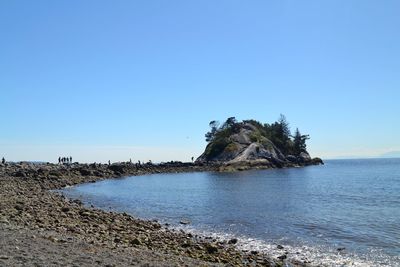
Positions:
(312, 255)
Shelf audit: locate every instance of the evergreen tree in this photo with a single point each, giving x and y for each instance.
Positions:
(299, 142)
(214, 128)
(279, 134)
(284, 127)
(229, 123)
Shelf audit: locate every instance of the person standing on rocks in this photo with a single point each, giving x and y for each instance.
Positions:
(59, 160)
(3, 160)
(70, 159)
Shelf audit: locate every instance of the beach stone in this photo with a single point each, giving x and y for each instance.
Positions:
(4, 220)
(233, 241)
(53, 239)
(185, 222)
(77, 201)
(85, 172)
(185, 245)
(118, 169)
(65, 209)
(136, 242)
(55, 173)
(84, 213)
(211, 248)
(279, 247)
(19, 207)
(282, 257)
(20, 174)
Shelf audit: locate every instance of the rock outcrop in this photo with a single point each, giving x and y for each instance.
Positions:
(247, 147)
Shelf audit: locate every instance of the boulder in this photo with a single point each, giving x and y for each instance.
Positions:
(117, 169)
(317, 161)
(292, 158)
(85, 172)
(233, 241)
(20, 174)
(305, 157)
(211, 248)
(184, 222)
(136, 242)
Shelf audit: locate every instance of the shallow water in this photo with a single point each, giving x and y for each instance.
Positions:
(312, 211)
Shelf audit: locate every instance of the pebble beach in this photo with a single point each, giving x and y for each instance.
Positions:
(41, 227)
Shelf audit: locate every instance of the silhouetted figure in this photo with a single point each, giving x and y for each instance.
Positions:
(70, 159)
(109, 163)
(192, 159)
(3, 160)
(130, 161)
(59, 160)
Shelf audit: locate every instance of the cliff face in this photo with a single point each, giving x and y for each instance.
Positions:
(246, 145)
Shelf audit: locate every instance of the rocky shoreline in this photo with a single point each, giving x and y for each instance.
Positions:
(39, 227)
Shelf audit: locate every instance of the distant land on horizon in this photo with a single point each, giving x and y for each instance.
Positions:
(392, 154)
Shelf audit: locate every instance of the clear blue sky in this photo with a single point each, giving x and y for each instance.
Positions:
(103, 80)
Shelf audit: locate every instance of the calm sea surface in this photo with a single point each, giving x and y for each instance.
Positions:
(311, 211)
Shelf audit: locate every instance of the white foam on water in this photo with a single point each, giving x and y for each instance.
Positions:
(312, 255)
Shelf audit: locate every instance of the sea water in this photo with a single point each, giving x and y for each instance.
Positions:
(344, 213)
